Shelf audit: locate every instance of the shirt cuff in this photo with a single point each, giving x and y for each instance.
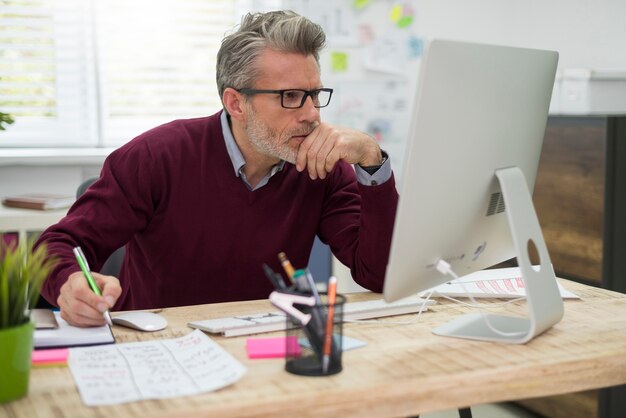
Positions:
(379, 177)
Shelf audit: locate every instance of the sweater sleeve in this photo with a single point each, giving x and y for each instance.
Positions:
(105, 217)
(357, 224)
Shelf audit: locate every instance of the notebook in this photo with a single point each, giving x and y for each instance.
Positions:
(68, 336)
(39, 201)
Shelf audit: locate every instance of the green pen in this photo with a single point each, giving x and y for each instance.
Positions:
(84, 266)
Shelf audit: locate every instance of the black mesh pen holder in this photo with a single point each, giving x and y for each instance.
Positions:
(309, 352)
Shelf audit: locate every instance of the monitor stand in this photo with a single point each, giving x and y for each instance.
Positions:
(545, 306)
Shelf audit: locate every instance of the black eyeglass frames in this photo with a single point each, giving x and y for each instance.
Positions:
(295, 98)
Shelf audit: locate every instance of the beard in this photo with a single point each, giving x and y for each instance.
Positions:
(271, 142)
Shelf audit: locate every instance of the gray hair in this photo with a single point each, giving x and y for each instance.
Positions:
(283, 30)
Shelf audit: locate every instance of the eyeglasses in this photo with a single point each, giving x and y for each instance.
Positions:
(295, 98)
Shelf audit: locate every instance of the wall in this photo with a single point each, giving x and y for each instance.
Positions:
(372, 59)
(587, 33)
(58, 178)
(374, 49)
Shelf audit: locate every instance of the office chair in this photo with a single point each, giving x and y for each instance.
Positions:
(113, 265)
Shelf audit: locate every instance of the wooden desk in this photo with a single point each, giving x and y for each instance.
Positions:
(404, 370)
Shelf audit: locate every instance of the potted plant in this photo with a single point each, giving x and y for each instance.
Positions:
(22, 273)
(5, 119)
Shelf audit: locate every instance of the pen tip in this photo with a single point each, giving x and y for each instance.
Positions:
(282, 256)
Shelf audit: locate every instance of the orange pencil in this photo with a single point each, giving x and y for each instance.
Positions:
(284, 261)
(332, 295)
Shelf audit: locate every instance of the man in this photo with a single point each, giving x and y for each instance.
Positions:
(200, 204)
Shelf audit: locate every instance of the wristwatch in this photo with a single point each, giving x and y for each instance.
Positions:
(371, 169)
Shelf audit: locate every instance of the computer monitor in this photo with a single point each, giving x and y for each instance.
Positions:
(477, 129)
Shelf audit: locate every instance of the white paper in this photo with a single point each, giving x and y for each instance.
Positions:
(389, 53)
(159, 369)
(493, 283)
(338, 19)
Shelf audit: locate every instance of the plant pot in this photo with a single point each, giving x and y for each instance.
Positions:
(16, 346)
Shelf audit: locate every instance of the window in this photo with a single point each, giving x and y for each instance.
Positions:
(46, 72)
(157, 61)
(99, 72)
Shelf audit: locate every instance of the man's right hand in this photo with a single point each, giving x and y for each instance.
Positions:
(80, 306)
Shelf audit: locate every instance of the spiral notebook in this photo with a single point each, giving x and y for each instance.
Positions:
(67, 335)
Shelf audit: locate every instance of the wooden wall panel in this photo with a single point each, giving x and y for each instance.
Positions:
(569, 195)
(569, 198)
(571, 405)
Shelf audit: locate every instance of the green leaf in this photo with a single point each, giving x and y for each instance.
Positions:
(23, 271)
(5, 119)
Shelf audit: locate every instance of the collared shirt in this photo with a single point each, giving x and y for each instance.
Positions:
(379, 177)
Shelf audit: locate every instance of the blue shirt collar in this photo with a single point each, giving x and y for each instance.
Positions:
(236, 157)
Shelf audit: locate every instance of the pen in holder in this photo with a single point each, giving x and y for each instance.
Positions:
(306, 346)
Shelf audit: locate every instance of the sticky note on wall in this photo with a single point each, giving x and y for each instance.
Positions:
(416, 47)
(361, 4)
(401, 15)
(339, 61)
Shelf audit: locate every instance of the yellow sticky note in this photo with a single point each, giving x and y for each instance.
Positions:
(361, 4)
(401, 15)
(396, 13)
(339, 61)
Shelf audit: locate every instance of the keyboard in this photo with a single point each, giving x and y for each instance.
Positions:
(275, 320)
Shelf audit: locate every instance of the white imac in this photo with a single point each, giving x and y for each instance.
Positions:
(470, 164)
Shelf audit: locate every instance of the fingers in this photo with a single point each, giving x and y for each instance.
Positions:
(327, 144)
(317, 153)
(110, 288)
(80, 306)
(332, 155)
(305, 148)
(313, 155)
(326, 158)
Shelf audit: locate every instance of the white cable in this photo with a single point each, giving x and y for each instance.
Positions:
(444, 268)
(481, 305)
(410, 321)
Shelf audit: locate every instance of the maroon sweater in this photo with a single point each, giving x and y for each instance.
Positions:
(195, 234)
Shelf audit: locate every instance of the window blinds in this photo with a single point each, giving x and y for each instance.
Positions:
(99, 72)
(46, 73)
(157, 61)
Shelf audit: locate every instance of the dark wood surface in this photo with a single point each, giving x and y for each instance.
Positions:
(569, 405)
(580, 199)
(569, 196)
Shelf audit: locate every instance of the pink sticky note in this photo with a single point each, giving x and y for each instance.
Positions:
(271, 347)
(50, 357)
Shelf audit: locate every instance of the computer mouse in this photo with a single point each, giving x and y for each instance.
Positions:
(142, 321)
